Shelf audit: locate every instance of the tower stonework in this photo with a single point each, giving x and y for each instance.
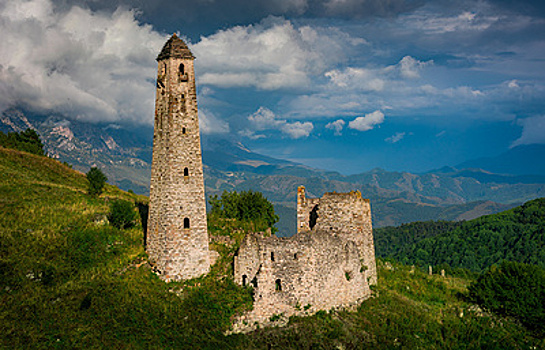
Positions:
(177, 238)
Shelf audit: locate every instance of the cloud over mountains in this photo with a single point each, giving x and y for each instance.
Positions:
(325, 70)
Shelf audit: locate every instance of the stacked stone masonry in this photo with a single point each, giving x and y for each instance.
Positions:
(177, 240)
(329, 263)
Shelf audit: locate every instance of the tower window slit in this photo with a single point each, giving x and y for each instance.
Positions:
(278, 285)
(244, 277)
(186, 223)
(272, 256)
(186, 172)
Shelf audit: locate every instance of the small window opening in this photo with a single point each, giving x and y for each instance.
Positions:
(254, 283)
(295, 256)
(186, 223)
(313, 217)
(244, 278)
(348, 275)
(186, 172)
(183, 131)
(181, 69)
(278, 285)
(272, 256)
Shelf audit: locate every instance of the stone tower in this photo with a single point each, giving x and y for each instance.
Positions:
(177, 239)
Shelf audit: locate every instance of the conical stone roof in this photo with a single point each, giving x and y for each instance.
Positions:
(175, 47)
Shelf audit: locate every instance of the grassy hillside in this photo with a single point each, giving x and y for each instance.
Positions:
(70, 280)
(517, 234)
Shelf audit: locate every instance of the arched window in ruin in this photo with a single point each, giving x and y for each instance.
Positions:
(313, 217)
(272, 256)
(186, 223)
(295, 256)
(278, 285)
(186, 172)
(244, 278)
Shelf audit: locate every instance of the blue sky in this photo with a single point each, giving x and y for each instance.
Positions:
(336, 84)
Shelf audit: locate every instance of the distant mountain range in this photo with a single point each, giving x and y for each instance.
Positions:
(520, 160)
(450, 193)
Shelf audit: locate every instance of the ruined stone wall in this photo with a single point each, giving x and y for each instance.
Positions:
(301, 275)
(177, 240)
(346, 215)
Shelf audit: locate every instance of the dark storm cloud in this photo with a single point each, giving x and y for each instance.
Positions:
(204, 17)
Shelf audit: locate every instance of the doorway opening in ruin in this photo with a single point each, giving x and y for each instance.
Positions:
(244, 277)
(313, 217)
(278, 285)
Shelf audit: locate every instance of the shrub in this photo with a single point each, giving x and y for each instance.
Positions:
(97, 180)
(122, 214)
(245, 206)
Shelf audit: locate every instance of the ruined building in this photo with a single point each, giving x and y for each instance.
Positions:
(177, 236)
(329, 263)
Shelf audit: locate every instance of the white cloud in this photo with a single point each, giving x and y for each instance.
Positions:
(464, 21)
(367, 122)
(533, 131)
(410, 68)
(398, 136)
(297, 130)
(359, 78)
(377, 79)
(265, 119)
(337, 125)
(210, 124)
(273, 54)
(85, 65)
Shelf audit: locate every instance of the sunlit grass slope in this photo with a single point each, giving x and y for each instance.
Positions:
(70, 280)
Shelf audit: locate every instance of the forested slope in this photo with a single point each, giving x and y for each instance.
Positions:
(517, 234)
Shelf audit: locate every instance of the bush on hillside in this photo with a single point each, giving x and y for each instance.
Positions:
(122, 214)
(513, 289)
(26, 141)
(97, 180)
(244, 206)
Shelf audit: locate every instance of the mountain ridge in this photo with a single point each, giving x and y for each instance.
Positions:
(124, 154)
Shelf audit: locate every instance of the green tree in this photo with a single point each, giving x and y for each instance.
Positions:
(513, 289)
(26, 141)
(122, 214)
(247, 206)
(97, 180)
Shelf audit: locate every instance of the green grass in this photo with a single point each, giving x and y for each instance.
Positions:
(69, 280)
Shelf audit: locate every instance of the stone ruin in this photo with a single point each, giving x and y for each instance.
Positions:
(329, 263)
